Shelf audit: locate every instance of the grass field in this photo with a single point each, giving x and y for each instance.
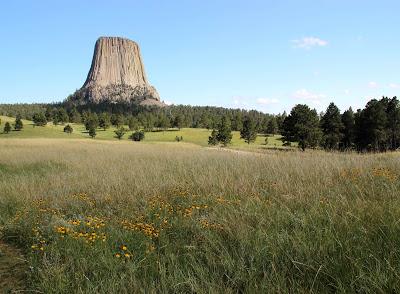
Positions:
(195, 136)
(96, 216)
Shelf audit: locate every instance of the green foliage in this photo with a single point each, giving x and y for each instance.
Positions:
(178, 121)
(92, 132)
(137, 136)
(104, 120)
(133, 123)
(39, 119)
(91, 120)
(302, 126)
(249, 131)
(120, 132)
(213, 140)
(348, 138)
(272, 126)
(68, 129)
(18, 125)
(332, 127)
(224, 135)
(7, 128)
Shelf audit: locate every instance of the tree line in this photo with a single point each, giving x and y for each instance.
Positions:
(375, 128)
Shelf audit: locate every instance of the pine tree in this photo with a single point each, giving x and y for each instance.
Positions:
(348, 131)
(331, 125)
(18, 125)
(104, 121)
(224, 135)
(393, 123)
(248, 132)
(178, 121)
(39, 119)
(7, 128)
(212, 140)
(302, 126)
(272, 126)
(92, 132)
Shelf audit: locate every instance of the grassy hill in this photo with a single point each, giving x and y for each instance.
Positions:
(190, 135)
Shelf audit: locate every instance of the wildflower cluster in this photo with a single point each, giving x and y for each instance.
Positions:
(385, 173)
(352, 174)
(205, 224)
(147, 229)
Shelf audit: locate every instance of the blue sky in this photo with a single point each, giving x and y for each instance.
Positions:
(267, 55)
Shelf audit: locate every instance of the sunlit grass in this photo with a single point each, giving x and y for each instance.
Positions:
(110, 217)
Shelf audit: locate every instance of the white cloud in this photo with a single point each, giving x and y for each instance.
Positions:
(373, 85)
(168, 102)
(394, 86)
(306, 95)
(309, 42)
(267, 101)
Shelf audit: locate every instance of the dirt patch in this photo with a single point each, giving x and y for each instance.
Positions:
(12, 269)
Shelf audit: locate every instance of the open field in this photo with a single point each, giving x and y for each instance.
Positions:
(195, 136)
(93, 216)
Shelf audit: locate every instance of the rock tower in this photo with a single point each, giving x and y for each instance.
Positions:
(117, 75)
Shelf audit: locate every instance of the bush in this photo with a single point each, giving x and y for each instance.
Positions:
(137, 136)
(178, 138)
(119, 133)
(68, 129)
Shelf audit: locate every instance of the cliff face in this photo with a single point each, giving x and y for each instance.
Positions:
(117, 74)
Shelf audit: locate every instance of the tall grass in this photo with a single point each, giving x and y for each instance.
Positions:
(127, 217)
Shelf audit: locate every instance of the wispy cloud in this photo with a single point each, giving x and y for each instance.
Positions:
(394, 86)
(373, 85)
(267, 101)
(309, 42)
(310, 97)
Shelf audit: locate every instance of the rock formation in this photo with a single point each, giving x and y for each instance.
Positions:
(117, 75)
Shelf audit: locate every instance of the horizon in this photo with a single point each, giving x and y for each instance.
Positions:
(288, 53)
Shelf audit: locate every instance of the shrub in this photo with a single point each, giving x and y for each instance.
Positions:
(68, 129)
(137, 136)
(119, 133)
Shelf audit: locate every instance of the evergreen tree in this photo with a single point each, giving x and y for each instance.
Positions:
(92, 132)
(331, 125)
(237, 121)
(91, 121)
(393, 123)
(104, 121)
(272, 126)
(39, 119)
(74, 116)
(371, 124)
(62, 115)
(178, 121)
(249, 131)
(302, 126)
(212, 140)
(224, 135)
(348, 131)
(133, 123)
(7, 128)
(18, 125)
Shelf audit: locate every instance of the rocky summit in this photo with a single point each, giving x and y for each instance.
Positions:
(117, 75)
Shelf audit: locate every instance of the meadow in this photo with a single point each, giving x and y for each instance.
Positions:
(190, 135)
(102, 216)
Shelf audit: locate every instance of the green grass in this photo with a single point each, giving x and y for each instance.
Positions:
(193, 136)
(199, 220)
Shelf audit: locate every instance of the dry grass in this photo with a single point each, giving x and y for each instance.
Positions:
(237, 221)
